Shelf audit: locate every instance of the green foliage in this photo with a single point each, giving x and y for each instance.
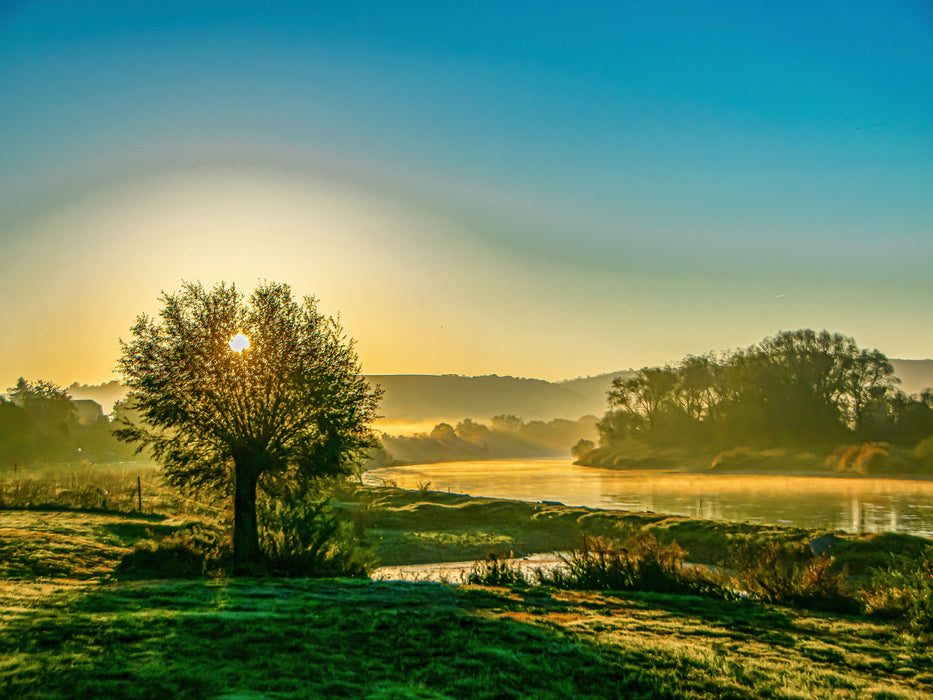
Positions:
(293, 403)
(582, 447)
(904, 589)
(293, 400)
(493, 571)
(506, 437)
(301, 536)
(40, 423)
(188, 553)
(923, 452)
(798, 389)
(787, 573)
(640, 563)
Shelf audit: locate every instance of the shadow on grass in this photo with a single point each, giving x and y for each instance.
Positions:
(81, 548)
(128, 533)
(330, 638)
(736, 614)
(59, 508)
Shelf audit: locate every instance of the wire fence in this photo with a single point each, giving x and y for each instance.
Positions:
(123, 487)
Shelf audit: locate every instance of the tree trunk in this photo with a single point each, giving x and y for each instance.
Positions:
(246, 555)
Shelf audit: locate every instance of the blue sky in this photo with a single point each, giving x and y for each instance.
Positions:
(516, 188)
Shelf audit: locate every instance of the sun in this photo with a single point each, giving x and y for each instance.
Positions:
(239, 343)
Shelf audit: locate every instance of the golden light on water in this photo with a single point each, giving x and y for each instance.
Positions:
(239, 343)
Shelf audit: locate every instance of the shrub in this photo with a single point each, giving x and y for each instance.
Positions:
(904, 589)
(787, 573)
(923, 452)
(639, 563)
(736, 458)
(582, 448)
(872, 458)
(493, 571)
(300, 536)
(184, 554)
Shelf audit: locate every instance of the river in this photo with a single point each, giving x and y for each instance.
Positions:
(849, 504)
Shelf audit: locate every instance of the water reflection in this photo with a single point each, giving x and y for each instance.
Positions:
(853, 505)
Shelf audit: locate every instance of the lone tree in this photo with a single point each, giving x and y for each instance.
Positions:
(234, 394)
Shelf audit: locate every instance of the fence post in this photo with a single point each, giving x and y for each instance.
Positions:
(139, 493)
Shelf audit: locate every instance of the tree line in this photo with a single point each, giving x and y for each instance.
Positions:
(797, 388)
(506, 437)
(41, 423)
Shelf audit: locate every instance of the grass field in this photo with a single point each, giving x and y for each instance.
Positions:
(69, 628)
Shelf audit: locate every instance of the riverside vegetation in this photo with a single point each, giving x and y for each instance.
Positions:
(112, 601)
(797, 401)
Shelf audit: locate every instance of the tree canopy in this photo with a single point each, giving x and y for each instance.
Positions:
(293, 405)
(40, 422)
(795, 388)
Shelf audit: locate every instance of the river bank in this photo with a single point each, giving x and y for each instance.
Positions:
(847, 504)
(867, 459)
(420, 526)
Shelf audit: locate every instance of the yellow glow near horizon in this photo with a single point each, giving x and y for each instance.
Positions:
(421, 291)
(239, 343)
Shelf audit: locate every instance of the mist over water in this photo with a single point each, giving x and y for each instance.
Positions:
(852, 505)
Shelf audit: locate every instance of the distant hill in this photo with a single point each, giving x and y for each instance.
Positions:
(417, 397)
(427, 397)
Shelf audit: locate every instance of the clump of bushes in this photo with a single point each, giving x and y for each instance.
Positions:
(300, 536)
(904, 589)
(869, 458)
(771, 571)
(743, 459)
(865, 458)
(600, 563)
(188, 553)
(736, 458)
(639, 563)
(922, 452)
(787, 573)
(493, 571)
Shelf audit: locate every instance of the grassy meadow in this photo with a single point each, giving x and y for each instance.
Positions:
(73, 623)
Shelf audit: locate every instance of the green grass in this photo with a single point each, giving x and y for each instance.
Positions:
(323, 638)
(108, 486)
(343, 638)
(69, 629)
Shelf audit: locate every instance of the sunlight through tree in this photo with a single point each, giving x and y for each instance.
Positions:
(235, 394)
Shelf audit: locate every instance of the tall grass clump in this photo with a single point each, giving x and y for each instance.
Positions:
(494, 571)
(640, 563)
(787, 573)
(188, 553)
(904, 589)
(300, 536)
(88, 486)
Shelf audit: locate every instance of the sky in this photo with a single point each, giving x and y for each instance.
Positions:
(544, 190)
